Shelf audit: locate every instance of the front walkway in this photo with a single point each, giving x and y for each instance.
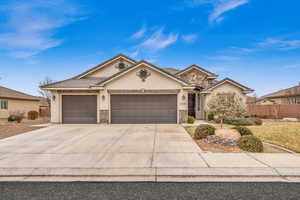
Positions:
(130, 152)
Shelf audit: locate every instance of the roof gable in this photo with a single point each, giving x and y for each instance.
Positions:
(209, 74)
(230, 81)
(104, 64)
(157, 69)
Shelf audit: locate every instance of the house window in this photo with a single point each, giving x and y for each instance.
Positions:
(3, 104)
(199, 102)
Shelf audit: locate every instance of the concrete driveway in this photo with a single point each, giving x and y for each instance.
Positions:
(101, 146)
(129, 153)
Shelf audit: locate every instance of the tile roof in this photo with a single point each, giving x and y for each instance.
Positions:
(74, 83)
(171, 70)
(143, 61)
(9, 93)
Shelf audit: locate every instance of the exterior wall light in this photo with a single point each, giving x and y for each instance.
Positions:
(103, 97)
(53, 98)
(183, 97)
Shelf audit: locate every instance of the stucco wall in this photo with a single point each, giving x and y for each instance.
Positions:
(108, 70)
(19, 105)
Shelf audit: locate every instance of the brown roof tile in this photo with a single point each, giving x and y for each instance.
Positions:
(9, 93)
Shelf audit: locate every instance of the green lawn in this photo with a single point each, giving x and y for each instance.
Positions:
(285, 134)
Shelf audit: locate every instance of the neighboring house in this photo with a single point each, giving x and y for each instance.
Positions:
(286, 96)
(14, 101)
(122, 90)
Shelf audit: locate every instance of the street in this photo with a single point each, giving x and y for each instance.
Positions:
(148, 190)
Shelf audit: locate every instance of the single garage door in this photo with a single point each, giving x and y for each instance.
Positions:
(79, 109)
(143, 109)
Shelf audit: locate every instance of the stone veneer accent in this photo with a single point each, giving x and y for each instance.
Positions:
(183, 115)
(104, 116)
(196, 77)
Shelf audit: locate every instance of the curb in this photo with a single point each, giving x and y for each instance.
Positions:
(151, 174)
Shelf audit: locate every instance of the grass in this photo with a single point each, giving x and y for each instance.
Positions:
(285, 134)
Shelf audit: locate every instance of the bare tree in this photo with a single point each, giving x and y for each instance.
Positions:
(45, 93)
(224, 105)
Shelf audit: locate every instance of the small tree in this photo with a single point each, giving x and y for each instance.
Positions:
(224, 105)
(45, 93)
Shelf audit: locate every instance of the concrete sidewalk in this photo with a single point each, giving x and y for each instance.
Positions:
(213, 167)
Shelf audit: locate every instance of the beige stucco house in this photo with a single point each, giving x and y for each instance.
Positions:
(122, 90)
(14, 101)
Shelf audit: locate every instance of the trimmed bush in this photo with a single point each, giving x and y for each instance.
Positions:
(237, 121)
(191, 119)
(243, 130)
(242, 122)
(250, 143)
(257, 121)
(16, 116)
(203, 131)
(32, 115)
(210, 117)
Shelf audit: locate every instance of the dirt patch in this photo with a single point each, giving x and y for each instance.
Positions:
(8, 129)
(219, 148)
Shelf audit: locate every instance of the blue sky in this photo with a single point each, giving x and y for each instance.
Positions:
(255, 42)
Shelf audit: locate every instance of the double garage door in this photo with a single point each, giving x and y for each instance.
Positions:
(143, 109)
(125, 109)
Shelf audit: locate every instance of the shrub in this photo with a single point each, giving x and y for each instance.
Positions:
(250, 143)
(210, 116)
(16, 116)
(239, 121)
(243, 130)
(257, 121)
(203, 131)
(32, 115)
(191, 119)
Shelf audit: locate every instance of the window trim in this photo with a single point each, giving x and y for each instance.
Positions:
(3, 104)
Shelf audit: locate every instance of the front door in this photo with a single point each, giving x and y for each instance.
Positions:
(191, 104)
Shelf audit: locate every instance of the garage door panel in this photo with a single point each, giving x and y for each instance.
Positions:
(79, 109)
(143, 109)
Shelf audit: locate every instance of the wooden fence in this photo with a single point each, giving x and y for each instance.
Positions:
(276, 111)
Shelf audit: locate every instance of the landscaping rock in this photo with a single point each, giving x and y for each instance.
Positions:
(214, 139)
(228, 134)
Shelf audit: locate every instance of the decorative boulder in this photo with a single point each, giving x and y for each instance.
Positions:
(228, 134)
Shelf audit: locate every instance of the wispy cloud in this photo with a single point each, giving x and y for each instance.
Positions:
(267, 44)
(30, 25)
(140, 33)
(292, 66)
(219, 7)
(189, 38)
(279, 44)
(159, 40)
